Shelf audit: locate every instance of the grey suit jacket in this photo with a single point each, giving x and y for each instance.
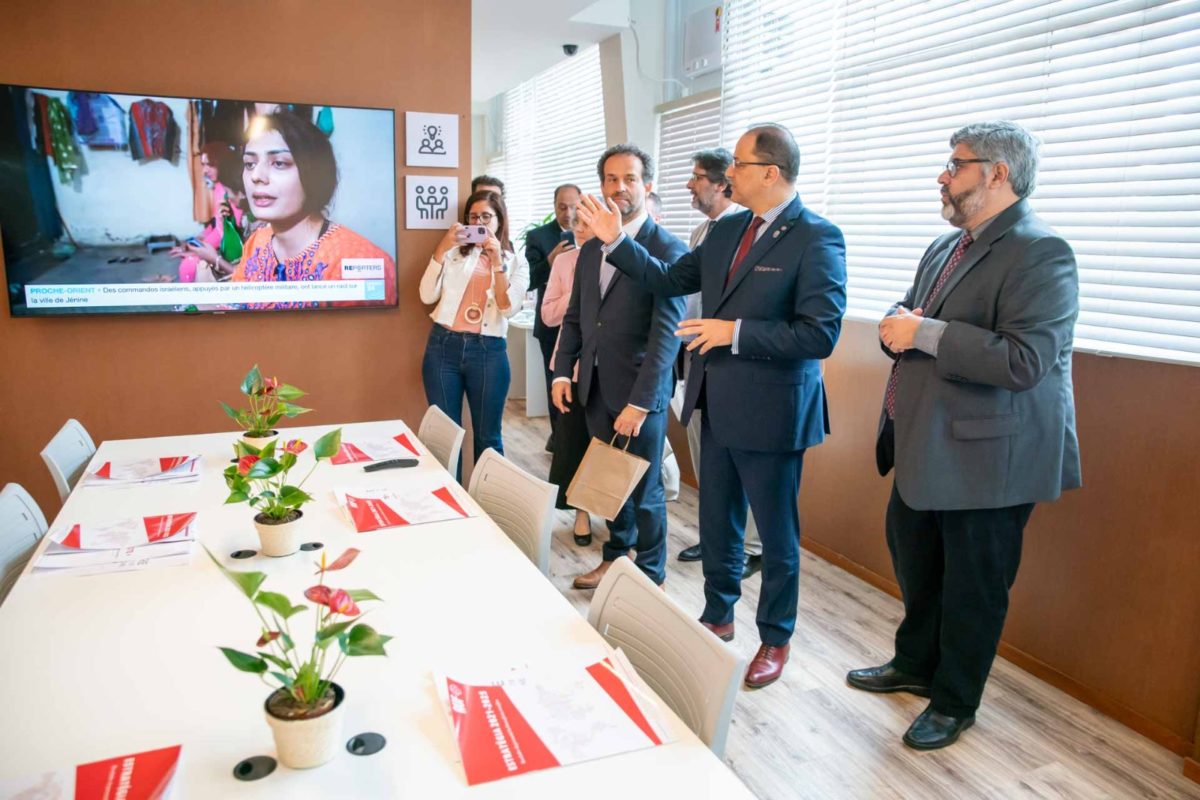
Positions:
(990, 422)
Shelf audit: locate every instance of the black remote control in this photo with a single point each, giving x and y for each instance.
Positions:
(395, 463)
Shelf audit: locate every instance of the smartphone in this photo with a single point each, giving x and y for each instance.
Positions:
(568, 237)
(193, 241)
(473, 234)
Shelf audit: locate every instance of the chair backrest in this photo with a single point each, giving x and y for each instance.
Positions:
(693, 671)
(67, 454)
(443, 436)
(21, 528)
(522, 505)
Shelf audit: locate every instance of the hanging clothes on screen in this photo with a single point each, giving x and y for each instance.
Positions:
(152, 131)
(63, 149)
(99, 120)
(223, 121)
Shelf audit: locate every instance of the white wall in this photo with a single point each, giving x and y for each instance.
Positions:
(117, 200)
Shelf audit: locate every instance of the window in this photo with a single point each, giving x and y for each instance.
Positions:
(553, 133)
(682, 131)
(873, 89)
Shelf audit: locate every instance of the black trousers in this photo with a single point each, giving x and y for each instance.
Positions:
(955, 569)
(546, 343)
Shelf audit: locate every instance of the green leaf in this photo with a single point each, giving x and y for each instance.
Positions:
(268, 449)
(236, 497)
(288, 644)
(328, 445)
(290, 410)
(264, 468)
(295, 498)
(363, 640)
(248, 582)
(277, 661)
(230, 411)
(279, 604)
(284, 679)
(241, 448)
(363, 594)
(288, 392)
(271, 420)
(244, 661)
(253, 382)
(330, 631)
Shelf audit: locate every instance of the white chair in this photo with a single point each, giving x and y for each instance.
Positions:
(693, 671)
(21, 528)
(67, 454)
(443, 436)
(522, 505)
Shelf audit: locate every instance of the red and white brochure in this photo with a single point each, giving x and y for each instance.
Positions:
(140, 776)
(168, 469)
(534, 719)
(363, 450)
(125, 544)
(414, 503)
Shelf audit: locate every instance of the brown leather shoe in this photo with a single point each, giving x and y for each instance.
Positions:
(590, 580)
(722, 632)
(766, 666)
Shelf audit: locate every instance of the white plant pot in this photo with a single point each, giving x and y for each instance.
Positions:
(306, 743)
(258, 442)
(280, 539)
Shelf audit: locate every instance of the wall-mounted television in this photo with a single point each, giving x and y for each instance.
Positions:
(126, 203)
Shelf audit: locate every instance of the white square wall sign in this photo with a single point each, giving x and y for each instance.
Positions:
(431, 201)
(431, 139)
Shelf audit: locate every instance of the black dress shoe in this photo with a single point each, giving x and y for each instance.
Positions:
(932, 730)
(690, 553)
(887, 679)
(550, 444)
(583, 540)
(751, 565)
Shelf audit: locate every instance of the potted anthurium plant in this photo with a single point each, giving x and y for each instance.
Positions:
(269, 401)
(305, 707)
(260, 478)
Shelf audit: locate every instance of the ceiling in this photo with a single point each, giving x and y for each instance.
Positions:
(513, 40)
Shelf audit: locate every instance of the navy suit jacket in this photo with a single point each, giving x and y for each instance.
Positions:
(629, 333)
(538, 244)
(790, 294)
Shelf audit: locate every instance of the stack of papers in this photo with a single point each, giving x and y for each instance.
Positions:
(128, 544)
(416, 502)
(536, 718)
(172, 469)
(139, 776)
(361, 450)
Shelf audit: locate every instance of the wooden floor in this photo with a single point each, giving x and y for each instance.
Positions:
(810, 736)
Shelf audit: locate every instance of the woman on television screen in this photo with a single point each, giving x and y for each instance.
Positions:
(290, 176)
(222, 171)
(478, 282)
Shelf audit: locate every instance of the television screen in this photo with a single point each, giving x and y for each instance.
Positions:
(118, 203)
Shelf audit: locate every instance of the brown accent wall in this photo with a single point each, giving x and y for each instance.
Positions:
(1107, 601)
(157, 375)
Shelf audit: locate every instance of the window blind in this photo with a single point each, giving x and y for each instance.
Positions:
(553, 133)
(681, 132)
(872, 89)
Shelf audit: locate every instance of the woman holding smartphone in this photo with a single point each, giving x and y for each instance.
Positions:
(477, 281)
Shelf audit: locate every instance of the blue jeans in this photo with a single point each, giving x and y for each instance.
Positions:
(457, 363)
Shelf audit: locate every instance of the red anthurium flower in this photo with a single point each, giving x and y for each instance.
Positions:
(295, 446)
(270, 385)
(319, 594)
(245, 463)
(342, 603)
(267, 638)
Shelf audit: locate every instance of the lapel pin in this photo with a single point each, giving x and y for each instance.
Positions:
(776, 234)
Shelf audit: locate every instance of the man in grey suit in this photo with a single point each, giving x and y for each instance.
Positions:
(979, 421)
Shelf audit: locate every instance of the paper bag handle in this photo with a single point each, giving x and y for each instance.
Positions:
(612, 442)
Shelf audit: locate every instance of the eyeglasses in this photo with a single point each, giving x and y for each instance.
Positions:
(739, 164)
(699, 176)
(953, 164)
(483, 218)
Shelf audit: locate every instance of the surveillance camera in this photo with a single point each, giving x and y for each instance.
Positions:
(570, 49)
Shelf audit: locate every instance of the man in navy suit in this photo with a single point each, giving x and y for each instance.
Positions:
(623, 338)
(773, 291)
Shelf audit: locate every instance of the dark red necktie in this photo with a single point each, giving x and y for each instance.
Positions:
(744, 247)
(947, 271)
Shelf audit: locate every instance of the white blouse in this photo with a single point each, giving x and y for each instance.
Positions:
(446, 283)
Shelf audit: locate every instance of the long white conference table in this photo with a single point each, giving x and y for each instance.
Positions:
(101, 666)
